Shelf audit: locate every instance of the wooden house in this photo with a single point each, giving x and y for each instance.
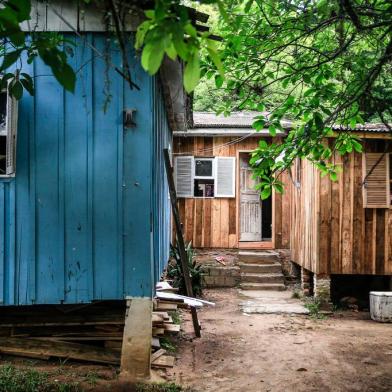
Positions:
(84, 206)
(331, 228)
(218, 204)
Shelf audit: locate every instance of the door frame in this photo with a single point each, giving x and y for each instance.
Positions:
(259, 244)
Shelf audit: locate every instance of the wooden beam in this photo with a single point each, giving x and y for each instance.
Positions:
(180, 239)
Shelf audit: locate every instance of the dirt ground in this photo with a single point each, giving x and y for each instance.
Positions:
(266, 352)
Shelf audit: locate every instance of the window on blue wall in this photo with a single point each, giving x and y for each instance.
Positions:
(3, 132)
(8, 128)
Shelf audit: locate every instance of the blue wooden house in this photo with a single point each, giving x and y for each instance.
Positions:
(84, 204)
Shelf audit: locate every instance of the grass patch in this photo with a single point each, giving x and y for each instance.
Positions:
(13, 379)
(168, 345)
(161, 387)
(176, 317)
(314, 307)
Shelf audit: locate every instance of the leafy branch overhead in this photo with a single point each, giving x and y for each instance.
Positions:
(50, 47)
(169, 30)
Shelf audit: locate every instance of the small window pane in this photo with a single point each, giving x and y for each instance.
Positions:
(203, 168)
(3, 146)
(3, 111)
(204, 188)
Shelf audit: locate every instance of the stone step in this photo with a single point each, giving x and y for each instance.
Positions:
(254, 257)
(263, 286)
(260, 268)
(262, 278)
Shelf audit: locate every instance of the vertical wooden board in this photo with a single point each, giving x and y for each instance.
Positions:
(380, 241)
(325, 225)
(277, 223)
(105, 181)
(368, 245)
(388, 236)
(189, 219)
(49, 97)
(137, 144)
(78, 263)
(224, 219)
(347, 214)
(208, 146)
(207, 223)
(198, 223)
(358, 217)
(286, 210)
(2, 241)
(335, 223)
(23, 211)
(215, 218)
(233, 216)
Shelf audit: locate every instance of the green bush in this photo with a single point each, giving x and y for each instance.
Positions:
(174, 270)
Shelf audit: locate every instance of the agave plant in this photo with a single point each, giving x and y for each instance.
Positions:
(174, 270)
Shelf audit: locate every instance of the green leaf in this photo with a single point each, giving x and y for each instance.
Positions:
(218, 81)
(152, 56)
(272, 130)
(16, 89)
(266, 193)
(9, 59)
(65, 75)
(192, 72)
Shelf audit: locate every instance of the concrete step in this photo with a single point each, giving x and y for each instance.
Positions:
(262, 278)
(263, 286)
(254, 257)
(260, 268)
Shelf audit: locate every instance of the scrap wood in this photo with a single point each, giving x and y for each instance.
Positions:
(165, 315)
(44, 348)
(164, 361)
(196, 302)
(157, 354)
(164, 306)
(158, 331)
(165, 286)
(174, 328)
(155, 343)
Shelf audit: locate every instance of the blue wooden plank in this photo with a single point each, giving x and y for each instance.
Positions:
(105, 177)
(49, 127)
(2, 241)
(76, 139)
(138, 157)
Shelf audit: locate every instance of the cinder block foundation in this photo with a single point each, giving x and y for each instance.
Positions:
(306, 281)
(214, 276)
(322, 287)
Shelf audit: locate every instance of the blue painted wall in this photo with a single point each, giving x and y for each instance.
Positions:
(87, 216)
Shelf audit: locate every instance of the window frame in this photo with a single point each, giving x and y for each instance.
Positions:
(212, 176)
(11, 128)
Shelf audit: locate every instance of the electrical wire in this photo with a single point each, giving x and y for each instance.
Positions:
(219, 147)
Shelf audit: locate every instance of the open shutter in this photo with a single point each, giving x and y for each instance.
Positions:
(224, 177)
(183, 174)
(12, 125)
(376, 190)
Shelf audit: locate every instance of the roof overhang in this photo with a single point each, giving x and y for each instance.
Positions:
(226, 132)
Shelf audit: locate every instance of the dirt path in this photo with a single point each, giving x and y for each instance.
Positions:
(346, 352)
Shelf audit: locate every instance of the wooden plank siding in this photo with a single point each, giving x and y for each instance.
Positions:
(331, 232)
(213, 223)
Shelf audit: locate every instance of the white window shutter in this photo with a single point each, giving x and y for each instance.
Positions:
(183, 174)
(224, 177)
(376, 190)
(12, 125)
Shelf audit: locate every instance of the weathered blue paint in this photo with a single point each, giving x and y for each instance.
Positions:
(87, 216)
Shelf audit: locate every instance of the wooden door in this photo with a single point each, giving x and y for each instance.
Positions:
(250, 204)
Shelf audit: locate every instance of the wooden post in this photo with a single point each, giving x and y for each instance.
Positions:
(180, 239)
(136, 346)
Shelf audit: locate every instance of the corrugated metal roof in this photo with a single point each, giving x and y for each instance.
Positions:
(202, 120)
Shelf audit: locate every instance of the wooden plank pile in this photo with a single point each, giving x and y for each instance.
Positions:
(91, 333)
